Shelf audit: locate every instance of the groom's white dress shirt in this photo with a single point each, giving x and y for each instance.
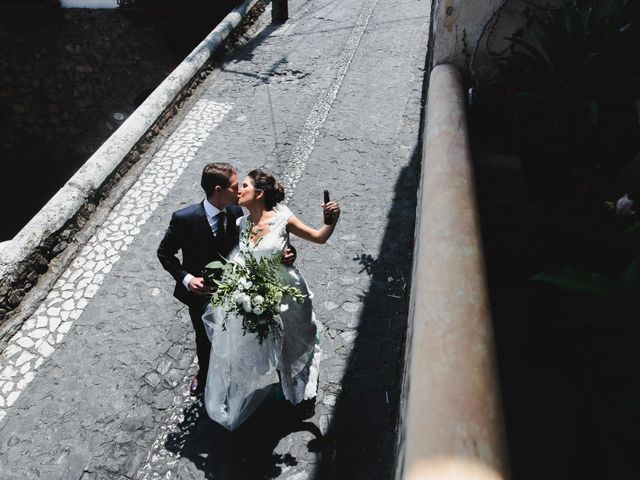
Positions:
(212, 217)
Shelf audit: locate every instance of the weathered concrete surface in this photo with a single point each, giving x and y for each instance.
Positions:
(335, 93)
(467, 32)
(458, 24)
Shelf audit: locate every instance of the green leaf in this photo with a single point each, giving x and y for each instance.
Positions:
(578, 281)
(593, 110)
(634, 229)
(533, 51)
(216, 265)
(629, 278)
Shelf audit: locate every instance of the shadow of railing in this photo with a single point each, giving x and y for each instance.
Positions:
(361, 439)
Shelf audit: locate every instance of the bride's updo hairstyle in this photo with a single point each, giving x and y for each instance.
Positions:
(272, 190)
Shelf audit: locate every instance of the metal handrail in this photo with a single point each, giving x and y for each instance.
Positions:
(453, 423)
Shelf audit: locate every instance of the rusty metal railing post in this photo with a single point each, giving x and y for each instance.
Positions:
(453, 425)
(279, 11)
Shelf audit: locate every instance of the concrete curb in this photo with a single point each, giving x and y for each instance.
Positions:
(105, 162)
(453, 425)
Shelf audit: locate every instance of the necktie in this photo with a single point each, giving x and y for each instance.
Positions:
(220, 230)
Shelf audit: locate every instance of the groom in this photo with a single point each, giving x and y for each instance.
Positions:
(204, 232)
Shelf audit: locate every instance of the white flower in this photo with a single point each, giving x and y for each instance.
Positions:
(258, 311)
(240, 261)
(257, 300)
(284, 307)
(624, 206)
(245, 284)
(246, 305)
(242, 297)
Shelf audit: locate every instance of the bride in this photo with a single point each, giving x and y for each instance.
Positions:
(242, 370)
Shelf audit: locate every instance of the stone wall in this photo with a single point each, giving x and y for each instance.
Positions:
(68, 78)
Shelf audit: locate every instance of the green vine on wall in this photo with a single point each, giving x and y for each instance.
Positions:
(529, 9)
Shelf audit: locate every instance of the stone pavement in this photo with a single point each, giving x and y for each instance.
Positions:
(95, 384)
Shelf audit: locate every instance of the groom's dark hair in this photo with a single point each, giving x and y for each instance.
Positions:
(214, 174)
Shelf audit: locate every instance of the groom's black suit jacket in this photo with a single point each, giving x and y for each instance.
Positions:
(190, 232)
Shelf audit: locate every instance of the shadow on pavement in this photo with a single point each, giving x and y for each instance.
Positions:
(361, 440)
(246, 453)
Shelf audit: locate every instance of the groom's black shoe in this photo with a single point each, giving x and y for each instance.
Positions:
(195, 388)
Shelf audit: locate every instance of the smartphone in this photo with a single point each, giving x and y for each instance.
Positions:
(328, 220)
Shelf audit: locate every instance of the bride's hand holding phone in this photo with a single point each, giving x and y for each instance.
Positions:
(330, 210)
(331, 213)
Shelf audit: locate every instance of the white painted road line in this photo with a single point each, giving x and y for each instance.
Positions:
(302, 151)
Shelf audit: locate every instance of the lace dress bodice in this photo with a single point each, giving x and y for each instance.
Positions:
(273, 243)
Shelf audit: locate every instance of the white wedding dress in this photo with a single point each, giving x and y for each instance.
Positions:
(242, 371)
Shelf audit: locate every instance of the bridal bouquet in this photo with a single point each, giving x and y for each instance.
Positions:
(251, 288)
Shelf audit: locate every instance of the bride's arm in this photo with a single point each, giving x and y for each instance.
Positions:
(321, 235)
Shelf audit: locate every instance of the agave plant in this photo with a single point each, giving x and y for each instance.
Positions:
(567, 85)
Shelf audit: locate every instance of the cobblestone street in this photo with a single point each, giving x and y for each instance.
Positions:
(95, 384)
